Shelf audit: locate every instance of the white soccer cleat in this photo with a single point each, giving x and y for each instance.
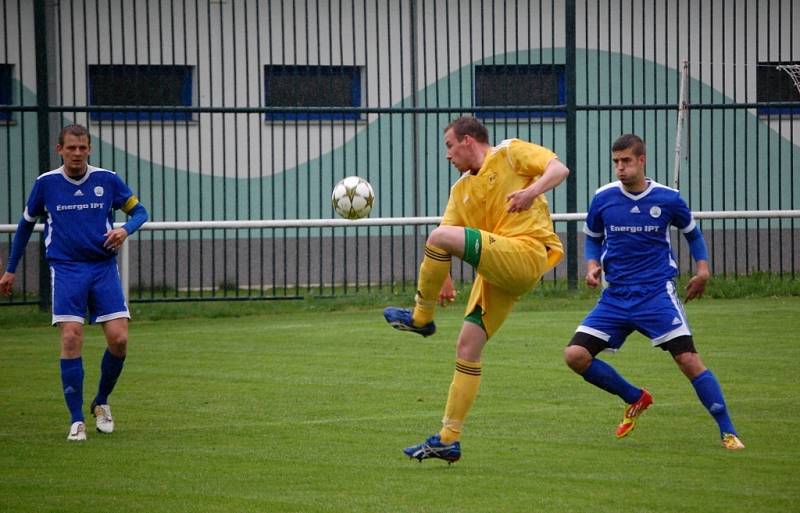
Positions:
(103, 419)
(77, 432)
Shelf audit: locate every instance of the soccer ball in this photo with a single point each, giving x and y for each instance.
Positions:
(353, 198)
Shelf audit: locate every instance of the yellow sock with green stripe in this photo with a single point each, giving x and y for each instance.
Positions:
(432, 273)
(463, 391)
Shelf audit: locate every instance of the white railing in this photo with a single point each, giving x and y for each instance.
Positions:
(124, 263)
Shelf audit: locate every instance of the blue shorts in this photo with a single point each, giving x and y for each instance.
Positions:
(653, 310)
(79, 288)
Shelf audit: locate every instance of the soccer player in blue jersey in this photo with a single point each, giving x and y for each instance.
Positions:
(78, 202)
(628, 248)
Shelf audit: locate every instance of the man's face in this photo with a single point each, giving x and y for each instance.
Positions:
(458, 151)
(75, 153)
(628, 166)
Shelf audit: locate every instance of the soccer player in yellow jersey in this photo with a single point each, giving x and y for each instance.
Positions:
(497, 220)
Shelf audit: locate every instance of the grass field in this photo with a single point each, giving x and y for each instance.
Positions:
(298, 410)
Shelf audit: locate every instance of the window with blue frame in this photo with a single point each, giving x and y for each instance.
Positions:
(140, 85)
(5, 89)
(520, 85)
(774, 84)
(312, 86)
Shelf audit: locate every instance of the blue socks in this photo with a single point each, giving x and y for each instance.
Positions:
(710, 394)
(110, 369)
(602, 375)
(72, 385)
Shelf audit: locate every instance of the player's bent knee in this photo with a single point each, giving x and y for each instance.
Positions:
(581, 350)
(577, 358)
(690, 364)
(447, 238)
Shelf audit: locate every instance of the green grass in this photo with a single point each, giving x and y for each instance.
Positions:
(303, 408)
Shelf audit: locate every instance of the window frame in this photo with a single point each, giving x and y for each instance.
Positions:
(772, 111)
(186, 95)
(305, 70)
(559, 70)
(6, 90)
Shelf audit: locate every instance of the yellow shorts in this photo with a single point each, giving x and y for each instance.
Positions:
(508, 268)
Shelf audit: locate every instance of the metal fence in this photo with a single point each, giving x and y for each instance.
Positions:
(252, 110)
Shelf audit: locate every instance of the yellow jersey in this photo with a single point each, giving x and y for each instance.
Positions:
(479, 200)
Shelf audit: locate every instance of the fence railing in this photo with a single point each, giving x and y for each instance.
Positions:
(354, 255)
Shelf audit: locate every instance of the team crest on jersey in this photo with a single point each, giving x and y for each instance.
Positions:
(655, 212)
(98, 191)
(492, 178)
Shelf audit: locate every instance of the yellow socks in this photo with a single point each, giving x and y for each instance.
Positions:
(463, 390)
(432, 273)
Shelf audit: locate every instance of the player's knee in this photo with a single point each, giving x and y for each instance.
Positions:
(577, 358)
(118, 344)
(690, 364)
(442, 238)
(71, 341)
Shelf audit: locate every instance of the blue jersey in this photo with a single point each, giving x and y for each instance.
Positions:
(634, 229)
(78, 213)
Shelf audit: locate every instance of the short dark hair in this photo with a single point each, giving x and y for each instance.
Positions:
(468, 125)
(633, 141)
(76, 130)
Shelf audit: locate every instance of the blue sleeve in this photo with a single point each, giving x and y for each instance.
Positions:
(138, 217)
(20, 242)
(681, 215)
(683, 220)
(594, 228)
(122, 193)
(697, 244)
(594, 225)
(35, 207)
(592, 248)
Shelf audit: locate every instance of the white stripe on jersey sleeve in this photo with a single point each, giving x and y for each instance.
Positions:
(27, 216)
(689, 227)
(590, 233)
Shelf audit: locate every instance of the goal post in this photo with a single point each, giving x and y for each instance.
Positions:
(679, 131)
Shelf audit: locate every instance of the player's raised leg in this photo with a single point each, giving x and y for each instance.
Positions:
(443, 243)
